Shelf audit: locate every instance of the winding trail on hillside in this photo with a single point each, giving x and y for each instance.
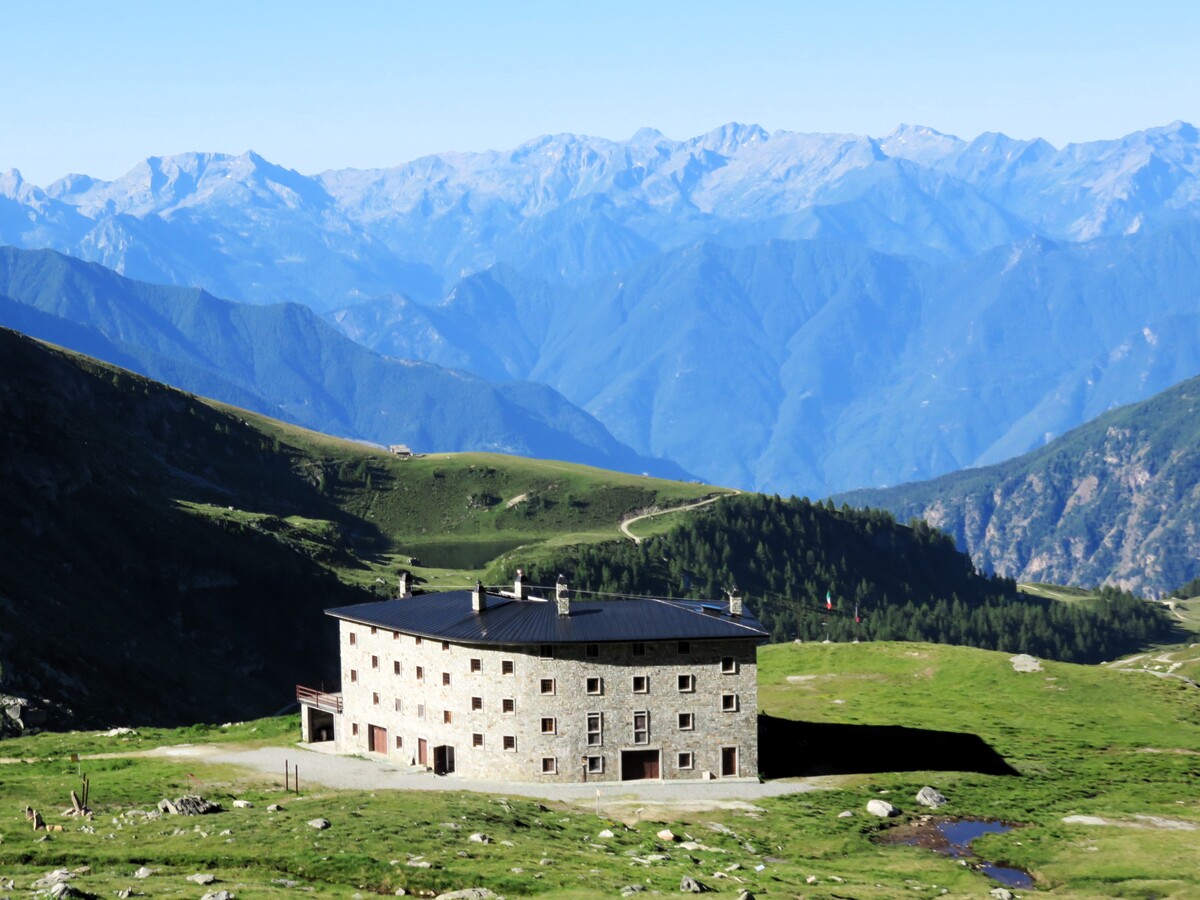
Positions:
(629, 520)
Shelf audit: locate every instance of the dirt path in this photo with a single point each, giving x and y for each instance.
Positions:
(626, 522)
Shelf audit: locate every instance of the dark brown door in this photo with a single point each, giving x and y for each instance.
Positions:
(729, 760)
(443, 760)
(639, 764)
(377, 739)
(422, 752)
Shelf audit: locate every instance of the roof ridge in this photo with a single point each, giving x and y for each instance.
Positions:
(732, 620)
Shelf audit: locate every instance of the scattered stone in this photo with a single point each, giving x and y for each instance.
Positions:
(745, 895)
(319, 824)
(126, 893)
(545, 861)
(845, 814)
(401, 892)
(189, 805)
(881, 808)
(143, 872)
(606, 833)
(630, 889)
(1001, 893)
(419, 864)
(275, 807)
(218, 895)
(479, 838)
(58, 876)
(477, 893)
(119, 732)
(1023, 662)
(202, 878)
(284, 882)
(666, 835)
(811, 879)
(243, 804)
(689, 885)
(930, 797)
(63, 890)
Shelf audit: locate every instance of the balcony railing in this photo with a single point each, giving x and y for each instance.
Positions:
(319, 699)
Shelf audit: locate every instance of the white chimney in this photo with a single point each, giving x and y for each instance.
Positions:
(520, 589)
(562, 596)
(735, 602)
(405, 590)
(478, 598)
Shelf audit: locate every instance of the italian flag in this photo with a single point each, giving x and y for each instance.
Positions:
(828, 600)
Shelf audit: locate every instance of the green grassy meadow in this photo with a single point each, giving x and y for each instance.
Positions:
(1085, 741)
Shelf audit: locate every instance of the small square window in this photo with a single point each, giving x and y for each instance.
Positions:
(548, 725)
(396, 667)
(395, 635)
(685, 760)
(547, 686)
(399, 742)
(729, 703)
(507, 705)
(595, 685)
(687, 721)
(420, 710)
(510, 742)
(374, 662)
(684, 647)
(592, 651)
(641, 684)
(687, 683)
(445, 645)
(595, 765)
(728, 665)
(477, 740)
(417, 641)
(549, 765)
(447, 717)
(420, 673)
(353, 639)
(354, 676)
(507, 667)
(375, 699)
(354, 729)
(374, 630)
(399, 705)
(476, 664)
(546, 651)
(476, 703)
(445, 679)
(639, 648)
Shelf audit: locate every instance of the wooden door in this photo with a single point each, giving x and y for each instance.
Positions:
(637, 765)
(422, 752)
(377, 739)
(729, 761)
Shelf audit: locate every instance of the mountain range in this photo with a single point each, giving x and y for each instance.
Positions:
(789, 312)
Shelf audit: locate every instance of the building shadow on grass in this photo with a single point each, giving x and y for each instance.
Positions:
(790, 749)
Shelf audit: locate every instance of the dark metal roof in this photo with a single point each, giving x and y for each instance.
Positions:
(448, 616)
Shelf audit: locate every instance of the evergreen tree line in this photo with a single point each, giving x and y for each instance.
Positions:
(883, 581)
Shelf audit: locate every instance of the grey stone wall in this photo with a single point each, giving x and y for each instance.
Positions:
(371, 693)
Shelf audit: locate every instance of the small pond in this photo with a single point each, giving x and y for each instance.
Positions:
(460, 554)
(953, 838)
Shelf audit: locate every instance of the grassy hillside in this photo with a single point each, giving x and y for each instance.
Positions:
(199, 543)
(862, 721)
(1112, 502)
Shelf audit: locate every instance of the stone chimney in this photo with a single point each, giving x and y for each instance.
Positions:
(520, 588)
(405, 589)
(478, 598)
(735, 601)
(562, 596)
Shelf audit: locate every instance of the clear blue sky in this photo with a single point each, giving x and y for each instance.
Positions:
(95, 87)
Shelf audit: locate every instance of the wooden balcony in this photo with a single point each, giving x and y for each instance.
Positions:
(319, 699)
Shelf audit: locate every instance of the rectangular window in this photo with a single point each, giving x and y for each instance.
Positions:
(395, 635)
(729, 703)
(728, 665)
(687, 684)
(396, 667)
(354, 676)
(399, 742)
(373, 629)
(446, 717)
(506, 667)
(445, 645)
(353, 639)
(417, 641)
(547, 686)
(477, 740)
(592, 651)
(684, 647)
(476, 664)
(641, 727)
(641, 684)
(420, 710)
(476, 703)
(595, 729)
(420, 673)
(639, 649)
(549, 725)
(595, 685)
(354, 729)
(685, 760)
(399, 705)
(507, 705)
(445, 679)
(510, 742)
(686, 721)
(375, 699)
(546, 651)
(549, 765)
(374, 662)
(595, 765)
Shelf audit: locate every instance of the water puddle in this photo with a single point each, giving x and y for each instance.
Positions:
(953, 837)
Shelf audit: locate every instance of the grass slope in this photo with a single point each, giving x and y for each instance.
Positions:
(1084, 740)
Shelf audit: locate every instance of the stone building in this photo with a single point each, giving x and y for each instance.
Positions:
(517, 686)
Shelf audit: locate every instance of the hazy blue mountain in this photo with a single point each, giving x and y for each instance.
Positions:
(284, 361)
(1113, 501)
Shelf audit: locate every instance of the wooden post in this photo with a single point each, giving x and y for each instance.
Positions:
(287, 776)
(87, 790)
(297, 779)
(75, 802)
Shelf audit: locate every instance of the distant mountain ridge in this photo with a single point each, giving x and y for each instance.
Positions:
(1114, 501)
